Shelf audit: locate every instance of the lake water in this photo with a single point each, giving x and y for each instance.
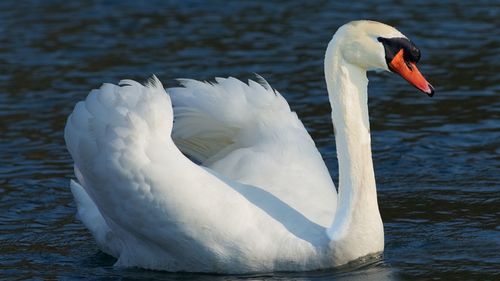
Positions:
(437, 160)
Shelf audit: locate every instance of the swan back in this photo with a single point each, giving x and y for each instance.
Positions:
(248, 133)
(209, 117)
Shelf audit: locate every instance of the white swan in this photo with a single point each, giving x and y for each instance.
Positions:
(261, 199)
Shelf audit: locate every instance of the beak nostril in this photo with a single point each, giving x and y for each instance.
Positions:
(410, 67)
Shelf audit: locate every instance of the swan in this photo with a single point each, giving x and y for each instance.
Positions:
(235, 184)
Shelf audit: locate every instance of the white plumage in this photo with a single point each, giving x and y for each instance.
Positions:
(260, 197)
(248, 133)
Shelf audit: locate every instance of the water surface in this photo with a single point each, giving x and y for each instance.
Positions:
(436, 159)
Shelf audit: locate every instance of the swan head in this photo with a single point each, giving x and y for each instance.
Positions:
(376, 46)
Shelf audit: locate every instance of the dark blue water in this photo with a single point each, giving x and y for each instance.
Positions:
(437, 160)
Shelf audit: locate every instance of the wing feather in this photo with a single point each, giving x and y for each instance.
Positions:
(248, 133)
(138, 190)
(209, 117)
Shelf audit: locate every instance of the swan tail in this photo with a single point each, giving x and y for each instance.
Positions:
(214, 118)
(90, 216)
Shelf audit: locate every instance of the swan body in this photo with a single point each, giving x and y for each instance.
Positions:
(254, 194)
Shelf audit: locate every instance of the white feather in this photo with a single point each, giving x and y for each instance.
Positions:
(262, 200)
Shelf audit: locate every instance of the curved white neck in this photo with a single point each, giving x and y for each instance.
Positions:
(357, 226)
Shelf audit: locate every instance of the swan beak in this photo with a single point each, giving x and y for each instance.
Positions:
(410, 72)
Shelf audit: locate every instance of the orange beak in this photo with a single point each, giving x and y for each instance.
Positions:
(410, 73)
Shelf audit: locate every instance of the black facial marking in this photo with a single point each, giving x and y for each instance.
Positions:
(392, 46)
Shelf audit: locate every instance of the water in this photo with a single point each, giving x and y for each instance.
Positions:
(436, 159)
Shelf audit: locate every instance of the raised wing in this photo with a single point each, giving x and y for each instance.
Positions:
(159, 205)
(150, 206)
(248, 133)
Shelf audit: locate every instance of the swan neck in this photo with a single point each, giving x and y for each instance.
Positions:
(357, 210)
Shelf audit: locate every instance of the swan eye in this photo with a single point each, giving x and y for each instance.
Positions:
(393, 46)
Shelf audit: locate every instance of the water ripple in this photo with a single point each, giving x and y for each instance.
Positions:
(436, 160)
